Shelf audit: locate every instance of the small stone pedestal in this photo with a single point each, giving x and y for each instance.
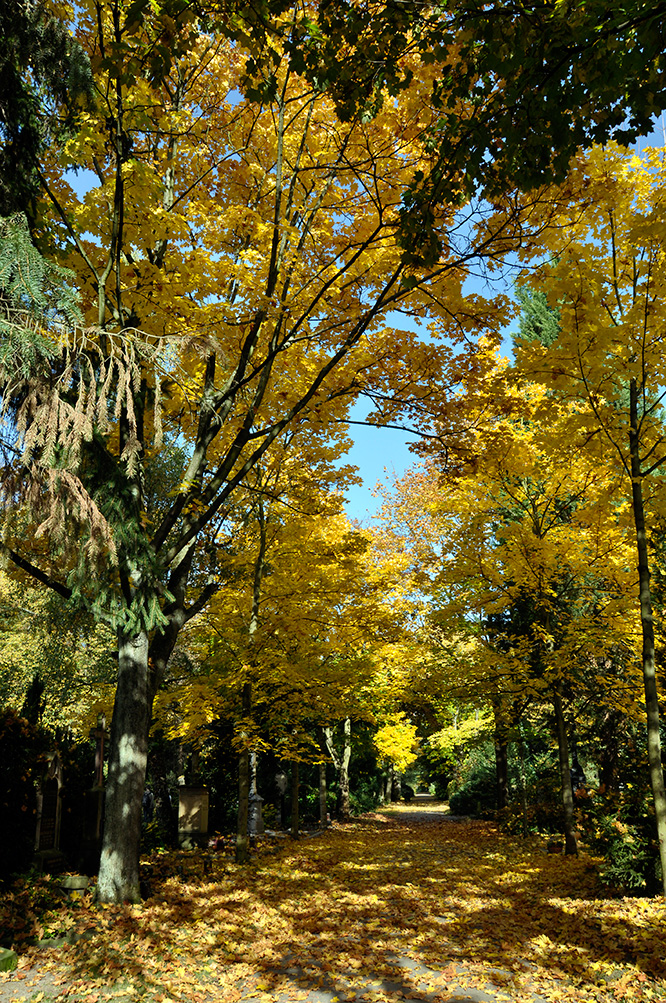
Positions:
(255, 821)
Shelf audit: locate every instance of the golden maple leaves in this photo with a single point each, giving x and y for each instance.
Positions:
(386, 908)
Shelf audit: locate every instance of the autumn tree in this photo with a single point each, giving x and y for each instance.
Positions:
(603, 271)
(516, 548)
(236, 261)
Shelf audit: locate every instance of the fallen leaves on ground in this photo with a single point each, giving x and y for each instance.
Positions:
(380, 909)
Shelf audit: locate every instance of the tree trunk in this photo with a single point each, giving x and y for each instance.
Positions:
(294, 799)
(323, 808)
(571, 842)
(341, 764)
(119, 863)
(343, 775)
(242, 839)
(609, 752)
(523, 783)
(501, 772)
(647, 626)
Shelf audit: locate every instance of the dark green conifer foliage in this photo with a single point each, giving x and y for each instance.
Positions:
(44, 76)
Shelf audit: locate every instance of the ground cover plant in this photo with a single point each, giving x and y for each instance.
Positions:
(404, 904)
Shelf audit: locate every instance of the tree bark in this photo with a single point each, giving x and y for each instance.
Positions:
(323, 808)
(341, 764)
(242, 839)
(343, 775)
(294, 799)
(501, 771)
(647, 628)
(608, 751)
(570, 840)
(119, 863)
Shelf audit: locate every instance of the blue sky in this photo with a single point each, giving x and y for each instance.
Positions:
(382, 453)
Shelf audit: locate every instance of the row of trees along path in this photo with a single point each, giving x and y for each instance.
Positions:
(404, 903)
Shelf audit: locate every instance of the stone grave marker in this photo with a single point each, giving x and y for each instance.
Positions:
(193, 803)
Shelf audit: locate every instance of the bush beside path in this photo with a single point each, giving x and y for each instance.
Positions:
(399, 904)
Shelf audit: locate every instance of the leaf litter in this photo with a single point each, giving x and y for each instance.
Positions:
(384, 908)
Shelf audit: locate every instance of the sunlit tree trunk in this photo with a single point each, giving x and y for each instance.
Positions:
(119, 863)
(647, 627)
(341, 764)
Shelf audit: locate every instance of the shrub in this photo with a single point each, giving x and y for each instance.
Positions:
(364, 797)
(620, 827)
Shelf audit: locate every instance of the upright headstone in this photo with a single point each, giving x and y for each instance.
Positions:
(193, 805)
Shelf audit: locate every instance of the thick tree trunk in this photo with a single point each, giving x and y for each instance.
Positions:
(647, 625)
(341, 764)
(242, 839)
(119, 864)
(294, 799)
(571, 842)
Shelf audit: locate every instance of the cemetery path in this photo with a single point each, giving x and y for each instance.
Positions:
(404, 903)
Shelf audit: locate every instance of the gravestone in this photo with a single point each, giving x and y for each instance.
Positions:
(192, 816)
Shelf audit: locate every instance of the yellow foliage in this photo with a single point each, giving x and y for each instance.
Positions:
(396, 742)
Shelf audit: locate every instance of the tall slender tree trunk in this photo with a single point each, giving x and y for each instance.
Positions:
(390, 784)
(242, 838)
(570, 840)
(647, 627)
(323, 807)
(501, 743)
(294, 799)
(501, 771)
(343, 775)
(523, 782)
(119, 863)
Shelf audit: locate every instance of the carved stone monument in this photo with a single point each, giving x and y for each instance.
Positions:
(192, 816)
